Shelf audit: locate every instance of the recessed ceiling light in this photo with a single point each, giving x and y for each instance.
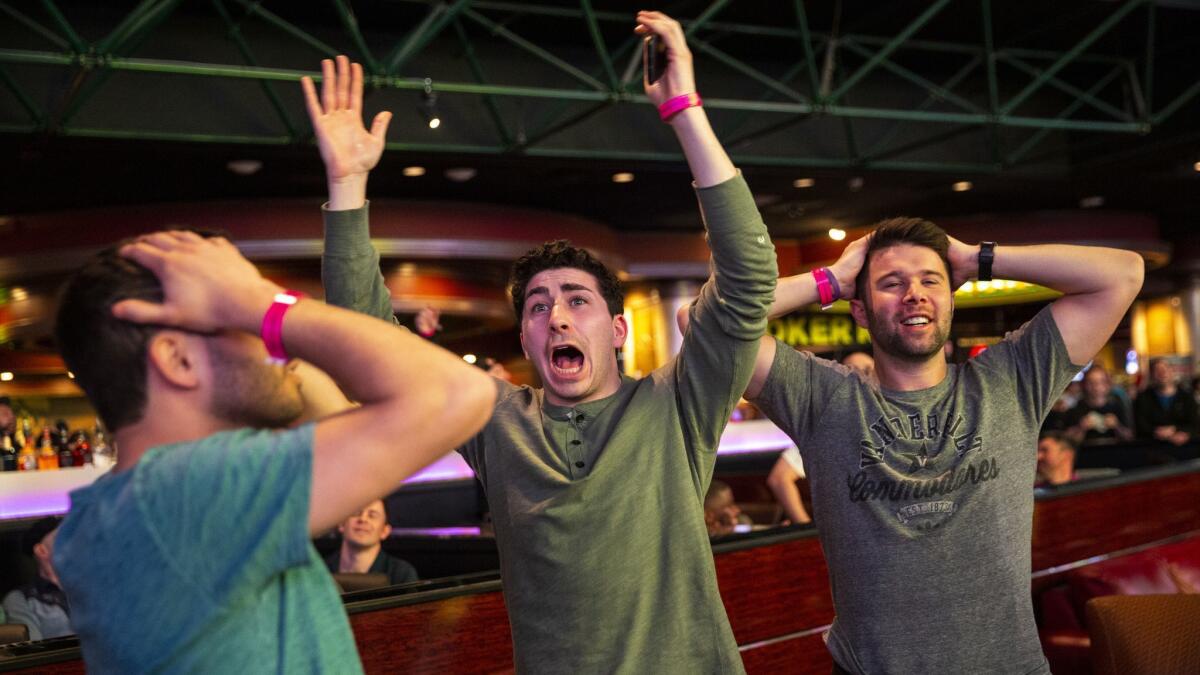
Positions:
(414, 171)
(460, 174)
(622, 177)
(962, 186)
(244, 167)
(855, 184)
(70, 375)
(6, 376)
(803, 183)
(837, 234)
(470, 358)
(19, 294)
(1095, 201)
(1196, 166)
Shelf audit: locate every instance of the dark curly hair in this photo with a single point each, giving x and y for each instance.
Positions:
(558, 254)
(897, 231)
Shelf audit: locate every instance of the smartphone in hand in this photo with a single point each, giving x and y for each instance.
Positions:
(654, 58)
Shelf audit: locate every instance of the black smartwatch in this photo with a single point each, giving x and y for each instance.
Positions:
(987, 253)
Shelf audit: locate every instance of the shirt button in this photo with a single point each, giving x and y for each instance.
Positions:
(579, 464)
(579, 416)
(576, 442)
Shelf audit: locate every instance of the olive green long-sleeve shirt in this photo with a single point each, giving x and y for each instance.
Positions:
(598, 508)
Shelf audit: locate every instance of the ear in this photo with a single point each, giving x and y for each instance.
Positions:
(859, 311)
(342, 528)
(387, 530)
(41, 551)
(174, 357)
(620, 331)
(524, 349)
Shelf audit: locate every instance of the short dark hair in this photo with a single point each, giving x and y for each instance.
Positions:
(107, 355)
(897, 231)
(558, 254)
(1060, 437)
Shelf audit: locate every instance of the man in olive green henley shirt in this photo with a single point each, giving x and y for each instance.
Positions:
(597, 482)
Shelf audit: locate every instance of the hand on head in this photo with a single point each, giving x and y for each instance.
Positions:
(347, 148)
(849, 264)
(964, 262)
(207, 284)
(679, 77)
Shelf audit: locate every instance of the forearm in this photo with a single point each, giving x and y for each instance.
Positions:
(706, 158)
(744, 270)
(350, 265)
(783, 486)
(792, 293)
(1071, 270)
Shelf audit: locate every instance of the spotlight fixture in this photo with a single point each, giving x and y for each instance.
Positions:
(414, 171)
(470, 358)
(70, 375)
(6, 376)
(1095, 201)
(622, 177)
(428, 108)
(962, 186)
(801, 183)
(837, 234)
(244, 167)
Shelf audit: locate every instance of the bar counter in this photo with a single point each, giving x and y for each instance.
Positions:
(774, 584)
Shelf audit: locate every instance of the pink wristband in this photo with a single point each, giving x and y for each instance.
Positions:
(673, 106)
(825, 290)
(272, 325)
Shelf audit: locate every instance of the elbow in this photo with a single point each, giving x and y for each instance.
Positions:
(476, 398)
(1133, 273)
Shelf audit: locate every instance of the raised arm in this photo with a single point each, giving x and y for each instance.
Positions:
(417, 400)
(349, 264)
(1098, 285)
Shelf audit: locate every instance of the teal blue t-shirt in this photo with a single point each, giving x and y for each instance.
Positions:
(198, 559)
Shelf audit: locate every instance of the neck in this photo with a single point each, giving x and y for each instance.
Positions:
(1058, 475)
(607, 390)
(1167, 389)
(1097, 401)
(904, 375)
(354, 559)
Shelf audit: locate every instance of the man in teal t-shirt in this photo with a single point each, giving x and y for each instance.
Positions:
(194, 553)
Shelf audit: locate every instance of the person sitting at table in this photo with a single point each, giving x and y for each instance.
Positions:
(40, 604)
(1163, 411)
(362, 547)
(722, 515)
(1099, 416)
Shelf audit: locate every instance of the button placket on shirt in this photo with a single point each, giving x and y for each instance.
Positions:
(575, 446)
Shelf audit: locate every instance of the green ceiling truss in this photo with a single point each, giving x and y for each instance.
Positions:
(808, 88)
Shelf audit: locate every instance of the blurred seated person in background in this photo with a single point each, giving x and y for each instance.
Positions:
(789, 468)
(8, 419)
(1055, 460)
(1163, 411)
(1099, 416)
(1059, 418)
(721, 512)
(362, 547)
(40, 604)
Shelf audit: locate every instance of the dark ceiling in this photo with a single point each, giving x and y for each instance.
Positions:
(122, 114)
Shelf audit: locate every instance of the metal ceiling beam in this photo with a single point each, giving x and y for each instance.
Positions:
(904, 73)
(950, 83)
(1038, 137)
(60, 20)
(890, 47)
(1174, 106)
(35, 113)
(537, 51)
(235, 34)
(489, 102)
(1112, 20)
(350, 24)
(433, 24)
(34, 26)
(291, 29)
(806, 43)
(748, 71)
(598, 42)
(1074, 91)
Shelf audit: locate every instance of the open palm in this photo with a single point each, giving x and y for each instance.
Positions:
(348, 149)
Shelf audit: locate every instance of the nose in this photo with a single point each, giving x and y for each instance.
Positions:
(915, 293)
(559, 319)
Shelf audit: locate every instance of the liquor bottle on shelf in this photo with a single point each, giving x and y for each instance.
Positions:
(62, 444)
(47, 456)
(8, 453)
(104, 456)
(81, 450)
(27, 458)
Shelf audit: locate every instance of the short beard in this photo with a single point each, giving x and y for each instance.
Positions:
(890, 342)
(250, 393)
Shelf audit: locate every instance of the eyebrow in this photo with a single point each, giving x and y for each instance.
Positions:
(542, 290)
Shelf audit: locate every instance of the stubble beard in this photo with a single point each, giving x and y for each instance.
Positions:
(888, 339)
(249, 393)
